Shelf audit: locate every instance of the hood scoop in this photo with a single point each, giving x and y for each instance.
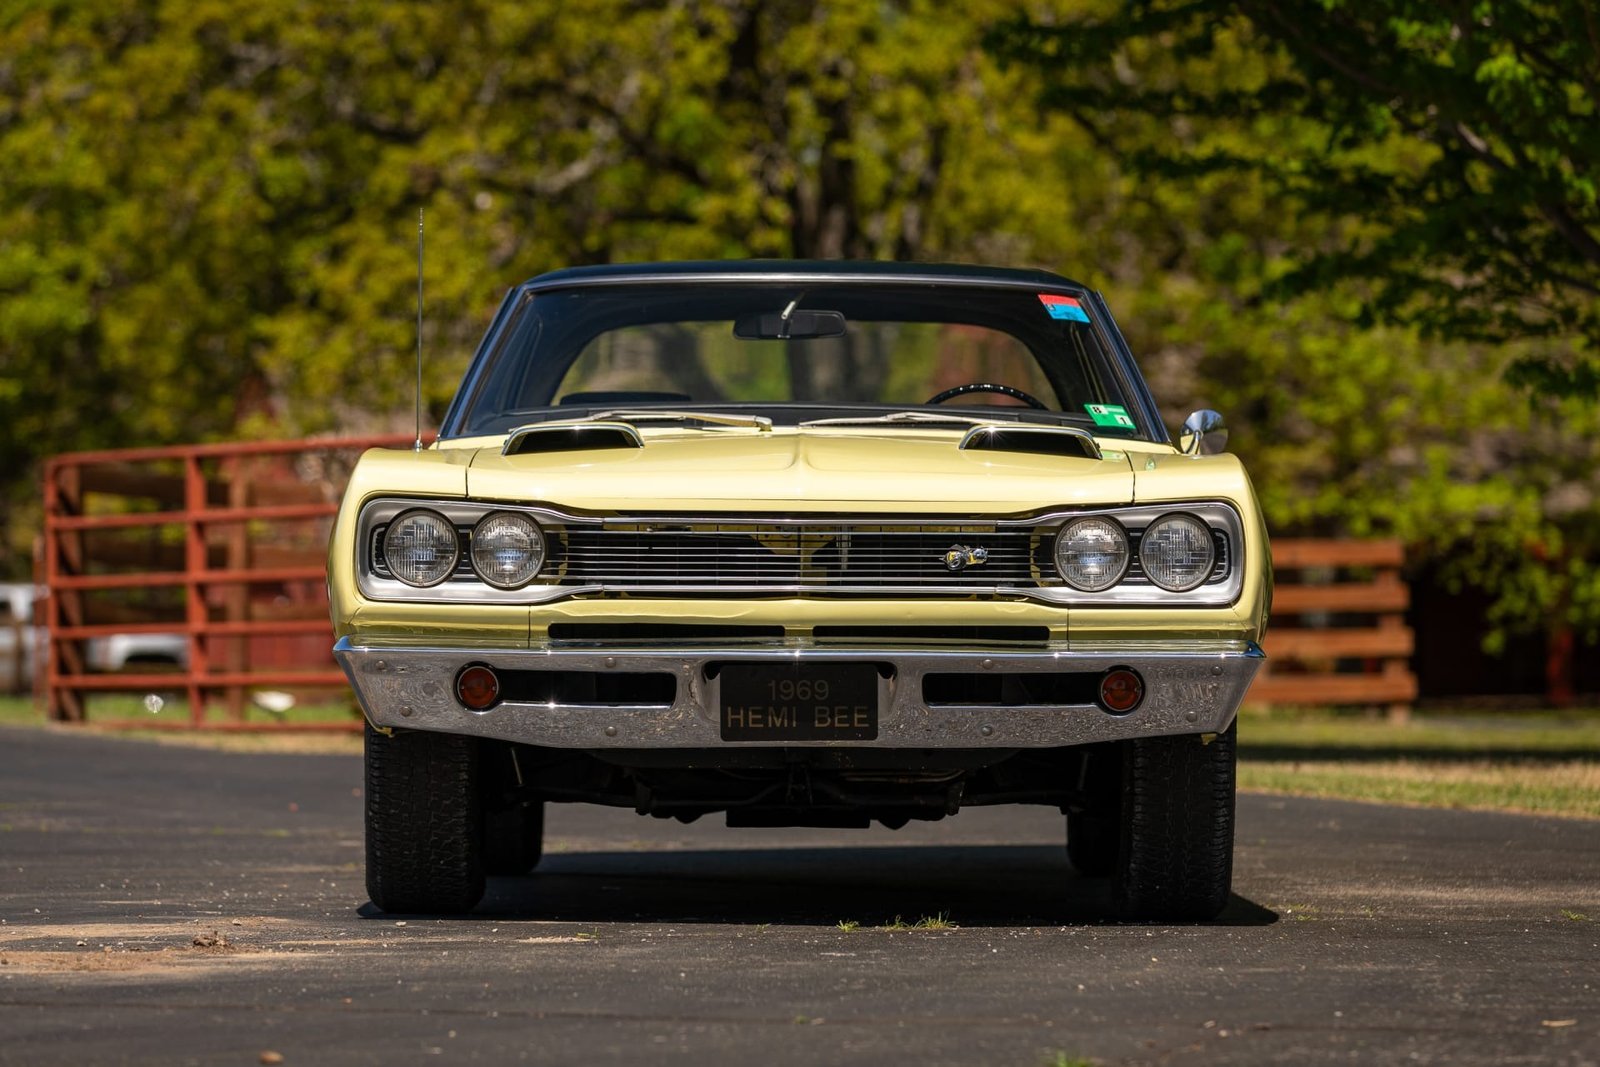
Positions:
(1037, 440)
(569, 437)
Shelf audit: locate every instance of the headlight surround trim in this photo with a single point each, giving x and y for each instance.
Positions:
(1115, 546)
(550, 585)
(1197, 547)
(445, 537)
(511, 522)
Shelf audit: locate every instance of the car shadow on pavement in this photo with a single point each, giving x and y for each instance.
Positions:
(969, 885)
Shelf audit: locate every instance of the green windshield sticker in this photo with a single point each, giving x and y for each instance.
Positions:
(1110, 415)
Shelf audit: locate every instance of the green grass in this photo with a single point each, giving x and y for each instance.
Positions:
(19, 711)
(1444, 731)
(127, 708)
(941, 921)
(1541, 761)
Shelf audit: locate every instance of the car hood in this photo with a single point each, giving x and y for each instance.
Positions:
(734, 469)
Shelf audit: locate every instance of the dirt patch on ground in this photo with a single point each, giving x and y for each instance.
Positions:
(160, 933)
(184, 963)
(136, 960)
(141, 948)
(88, 961)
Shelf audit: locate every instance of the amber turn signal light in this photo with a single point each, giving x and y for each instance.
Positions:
(1121, 690)
(478, 688)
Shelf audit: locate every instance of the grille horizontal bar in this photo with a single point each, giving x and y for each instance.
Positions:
(788, 555)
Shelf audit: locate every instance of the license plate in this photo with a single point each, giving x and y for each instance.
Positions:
(791, 702)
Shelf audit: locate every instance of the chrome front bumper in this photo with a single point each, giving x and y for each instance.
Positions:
(1187, 690)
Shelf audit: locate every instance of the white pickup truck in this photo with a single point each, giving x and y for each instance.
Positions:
(20, 638)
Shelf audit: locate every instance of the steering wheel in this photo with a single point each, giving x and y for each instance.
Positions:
(989, 387)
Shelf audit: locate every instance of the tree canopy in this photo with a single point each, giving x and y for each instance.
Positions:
(1454, 147)
(208, 210)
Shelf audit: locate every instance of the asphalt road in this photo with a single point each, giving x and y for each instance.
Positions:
(164, 905)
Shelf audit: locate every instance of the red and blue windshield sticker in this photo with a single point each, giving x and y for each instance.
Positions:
(1067, 308)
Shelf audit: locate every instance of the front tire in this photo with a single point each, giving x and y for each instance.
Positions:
(1176, 855)
(424, 822)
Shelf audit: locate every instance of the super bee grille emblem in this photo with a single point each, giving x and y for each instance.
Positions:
(960, 557)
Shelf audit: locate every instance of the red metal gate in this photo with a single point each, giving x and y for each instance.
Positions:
(213, 553)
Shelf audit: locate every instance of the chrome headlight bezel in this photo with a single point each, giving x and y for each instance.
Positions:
(375, 581)
(1115, 545)
(1203, 565)
(1222, 585)
(448, 537)
(481, 534)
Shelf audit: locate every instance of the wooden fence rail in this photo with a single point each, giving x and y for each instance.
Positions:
(1338, 633)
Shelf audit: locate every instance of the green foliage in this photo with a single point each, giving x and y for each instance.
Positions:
(1451, 150)
(1350, 227)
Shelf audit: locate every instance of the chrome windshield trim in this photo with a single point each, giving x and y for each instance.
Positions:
(759, 422)
(901, 418)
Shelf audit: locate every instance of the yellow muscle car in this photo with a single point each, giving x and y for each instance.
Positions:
(803, 544)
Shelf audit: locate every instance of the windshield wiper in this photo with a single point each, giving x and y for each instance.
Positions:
(924, 417)
(760, 422)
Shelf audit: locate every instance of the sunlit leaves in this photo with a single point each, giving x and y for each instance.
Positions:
(1462, 142)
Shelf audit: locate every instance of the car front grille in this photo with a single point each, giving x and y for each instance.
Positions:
(820, 556)
(661, 555)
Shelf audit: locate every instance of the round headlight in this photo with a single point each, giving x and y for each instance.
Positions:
(1176, 552)
(1092, 554)
(507, 549)
(421, 548)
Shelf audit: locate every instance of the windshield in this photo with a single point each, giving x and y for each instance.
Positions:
(787, 350)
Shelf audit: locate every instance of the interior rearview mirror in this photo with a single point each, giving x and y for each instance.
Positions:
(772, 326)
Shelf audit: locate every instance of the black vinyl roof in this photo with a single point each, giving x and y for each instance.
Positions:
(820, 270)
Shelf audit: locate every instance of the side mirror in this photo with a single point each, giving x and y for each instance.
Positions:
(1204, 434)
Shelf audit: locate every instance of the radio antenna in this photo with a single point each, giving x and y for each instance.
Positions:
(417, 447)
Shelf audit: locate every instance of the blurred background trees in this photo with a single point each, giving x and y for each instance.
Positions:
(1390, 210)
(1366, 232)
